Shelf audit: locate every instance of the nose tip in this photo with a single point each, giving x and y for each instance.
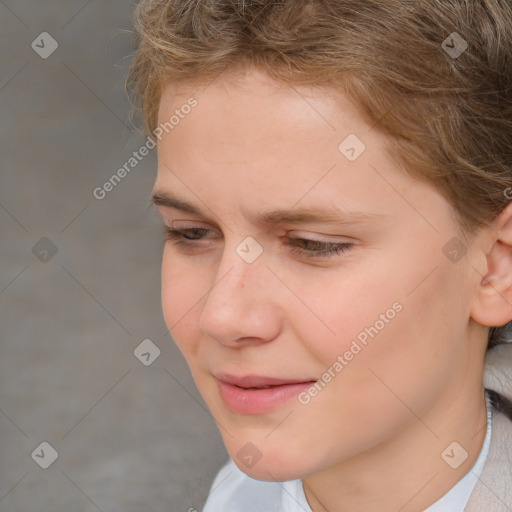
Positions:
(239, 307)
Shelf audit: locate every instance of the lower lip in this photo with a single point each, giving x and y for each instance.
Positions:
(259, 401)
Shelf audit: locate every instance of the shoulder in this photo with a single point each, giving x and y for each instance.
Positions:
(492, 489)
(234, 491)
(498, 378)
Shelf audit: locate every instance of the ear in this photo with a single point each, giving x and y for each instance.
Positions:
(492, 305)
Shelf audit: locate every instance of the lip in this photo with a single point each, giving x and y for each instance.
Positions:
(254, 394)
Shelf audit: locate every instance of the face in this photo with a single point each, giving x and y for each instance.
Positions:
(311, 333)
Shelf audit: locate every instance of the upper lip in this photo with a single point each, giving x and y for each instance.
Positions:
(257, 381)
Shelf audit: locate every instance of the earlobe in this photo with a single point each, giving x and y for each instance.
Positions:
(493, 304)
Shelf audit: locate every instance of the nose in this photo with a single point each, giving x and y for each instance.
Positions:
(241, 307)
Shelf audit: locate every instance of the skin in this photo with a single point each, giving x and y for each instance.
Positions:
(372, 438)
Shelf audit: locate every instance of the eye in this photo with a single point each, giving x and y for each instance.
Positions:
(303, 247)
(185, 234)
(317, 248)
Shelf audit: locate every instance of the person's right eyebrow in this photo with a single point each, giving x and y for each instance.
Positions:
(330, 214)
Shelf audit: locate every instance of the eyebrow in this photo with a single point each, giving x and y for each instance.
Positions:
(329, 214)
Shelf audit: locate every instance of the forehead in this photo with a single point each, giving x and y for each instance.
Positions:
(253, 121)
(252, 91)
(266, 144)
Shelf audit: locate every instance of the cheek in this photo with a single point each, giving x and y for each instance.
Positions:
(413, 356)
(181, 294)
(348, 308)
(394, 321)
(173, 283)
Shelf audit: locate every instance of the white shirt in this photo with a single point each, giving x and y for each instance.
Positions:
(234, 491)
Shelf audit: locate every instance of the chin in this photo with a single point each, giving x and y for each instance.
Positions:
(269, 463)
(269, 472)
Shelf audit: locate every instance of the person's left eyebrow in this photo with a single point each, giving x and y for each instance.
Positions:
(330, 214)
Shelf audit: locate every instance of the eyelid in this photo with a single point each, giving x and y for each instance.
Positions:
(323, 237)
(189, 224)
(309, 235)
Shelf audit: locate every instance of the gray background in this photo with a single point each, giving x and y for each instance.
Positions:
(129, 437)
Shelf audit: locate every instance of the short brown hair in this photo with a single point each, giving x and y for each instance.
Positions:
(434, 75)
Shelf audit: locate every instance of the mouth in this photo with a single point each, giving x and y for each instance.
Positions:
(253, 394)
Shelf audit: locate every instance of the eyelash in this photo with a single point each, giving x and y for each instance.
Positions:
(178, 238)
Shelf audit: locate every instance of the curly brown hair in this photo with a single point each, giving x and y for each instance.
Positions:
(433, 75)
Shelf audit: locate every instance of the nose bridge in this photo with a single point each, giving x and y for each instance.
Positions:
(242, 267)
(238, 303)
